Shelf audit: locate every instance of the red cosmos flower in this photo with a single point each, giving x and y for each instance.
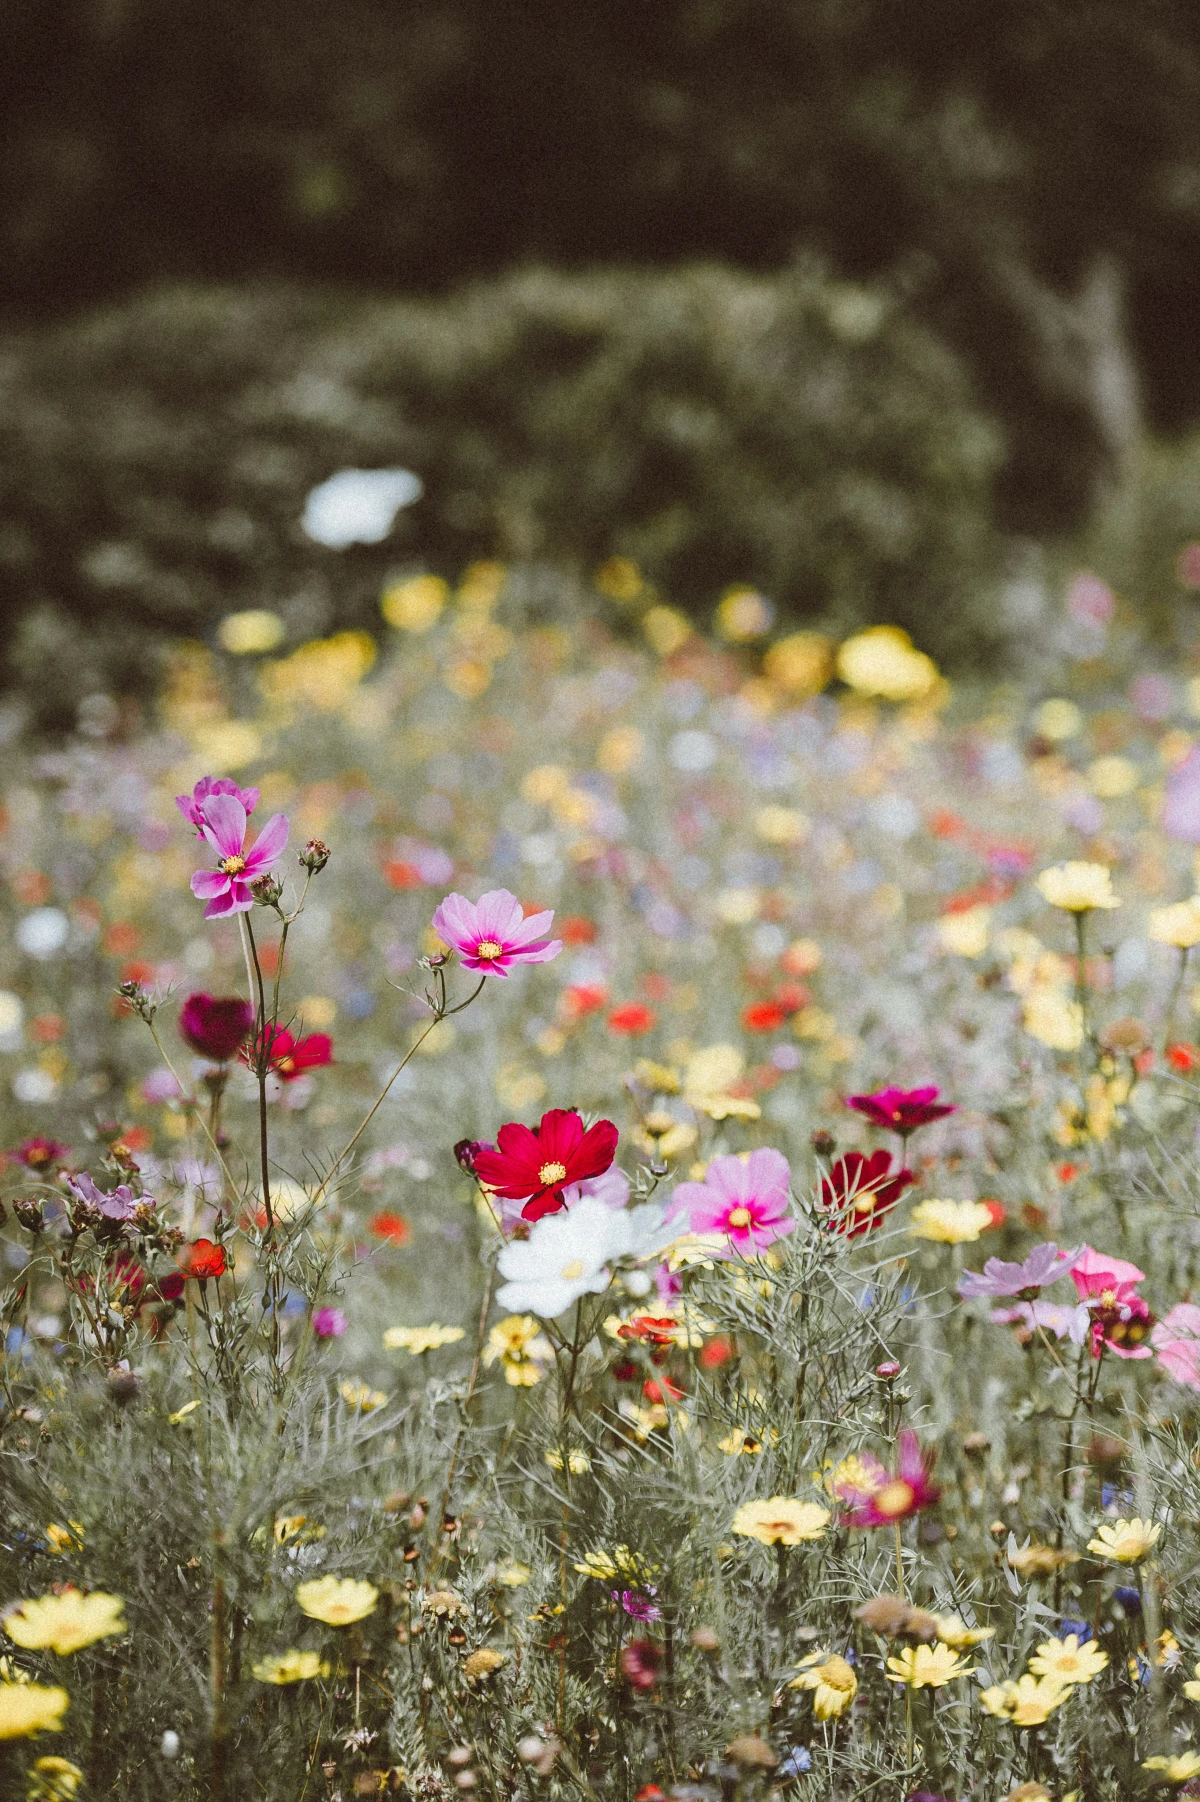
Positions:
(859, 1190)
(632, 1019)
(390, 1226)
(291, 1057)
(640, 1661)
(215, 1027)
(763, 1016)
(655, 1330)
(535, 1164)
(202, 1260)
(37, 1153)
(901, 1110)
(890, 1498)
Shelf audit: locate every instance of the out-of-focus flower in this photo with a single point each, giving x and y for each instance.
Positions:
(632, 1019)
(926, 1667)
(832, 1681)
(192, 806)
(361, 1397)
(227, 888)
(781, 1520)
(290, 1057)
(953, 1632)
(519, 1343)
(1051, 1017)
(492, 934)
(565, 1256)
(1177, 925)
(358, 506)
(329, 1323)
(28, 1708)
(338, 1601)
(709, 1080)
(420, 1339)
(1125, 1541)
(1077, 888)
(1068, 1661)
(747, 1202)
(884, 662)
(1176, 1339)
(116, 1204)
(53, 1780)
(65, 1622)
(952, 1222)
(901, 1110)
(637, 1606)
(575, 1461)
(859, 1190)
(291, 1667)
(620, 1562)
(1179, 1769)
(1181, 807)
(215, 1026)
(535, 1164)
(1044, 1265)
(908, 1492)
(38, 1153)
(203, 1260)
(964, 931)
(512, 1574)
(640, 1663)
(1026, 1703)
(1034, 1560)
(389, 1225)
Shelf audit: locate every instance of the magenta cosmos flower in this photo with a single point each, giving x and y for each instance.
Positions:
(1099, 1278)
(227, 888)
(901, 1110)
(492, 934)
(1176, 1339)
(749, 1202)
(192, 806)
(882, 1498)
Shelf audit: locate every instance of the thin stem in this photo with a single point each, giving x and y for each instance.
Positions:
(1081, 982)
(193, 1103)
(262, 1065)
(1173, 1003)
(467, 1400)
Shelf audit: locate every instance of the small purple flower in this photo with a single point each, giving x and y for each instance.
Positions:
(121, 1204)
(192, 806)
(1045, 1264)
(329, 1323)
(637, 1606)
(160, 1085)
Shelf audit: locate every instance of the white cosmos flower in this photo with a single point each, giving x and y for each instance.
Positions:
(565, 1256)
(358, 506)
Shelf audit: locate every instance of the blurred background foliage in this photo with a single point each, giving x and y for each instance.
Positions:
(852, 301)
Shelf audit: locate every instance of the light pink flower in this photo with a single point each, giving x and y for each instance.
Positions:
(191, 806)
(1176, 1339)
(227, 888)
(749, 1202)
(492, 934)
(1097, 1277)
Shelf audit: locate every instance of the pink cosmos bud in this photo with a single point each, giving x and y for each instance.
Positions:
(315, 855)
(887, 1370)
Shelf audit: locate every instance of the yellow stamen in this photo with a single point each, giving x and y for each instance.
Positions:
(233, 866)
(740, 1217)
(489, 948)
(552, 1173)
(893, 1499)
(573, 1270)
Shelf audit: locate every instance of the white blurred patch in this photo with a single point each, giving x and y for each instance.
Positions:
(43, 932)
(358, 506)
(693, 751)
(34, 1086)
(12, 1016)
(895, 815)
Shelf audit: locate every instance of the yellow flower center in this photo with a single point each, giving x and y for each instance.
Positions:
(233, 866)
(573, 1271)
(740, 1217)
(552, 1173)
(894, 1499)
(488, 948)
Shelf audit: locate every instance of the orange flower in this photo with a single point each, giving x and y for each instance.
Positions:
(632, 1019)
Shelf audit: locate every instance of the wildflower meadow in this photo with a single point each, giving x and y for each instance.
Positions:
(597, 1210)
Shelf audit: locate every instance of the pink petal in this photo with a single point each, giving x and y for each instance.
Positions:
(208, 883)
(537, 954)
(223, 905)
(769, 1169)
(269, 845)
(532, 928)
(498, 915)
(224, 824)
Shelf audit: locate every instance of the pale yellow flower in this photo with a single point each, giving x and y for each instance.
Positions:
(953, 1632)
(1058, 719)
(927, 1667)
(832, 1680)
(65, 1623)
(1077, 887)
(512, 1574)
(883, 661)
(27, 1708)
(338, 1601)
(1125, 1541)
(950, 1222)
(620, 1562)
(1050, 1016)
(1191, 1689)
(577, 1462)
(64, 1539)
(522, 1346)
(965, 933)
(1066, 1661)
(296, 1528)
(419, 1339)
(290, 1667)
(707, 1080)
(782, 1520)
(1027, 1702)
(53, 1780)
(181, 1414)
(1176, 1770)
(662, 1078)
(1034, 1560)
(362, 1398)
(1178, 925)
(741, 1442)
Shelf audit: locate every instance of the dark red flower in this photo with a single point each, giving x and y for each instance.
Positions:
(390, 1226)
(640, 1661)
(290, 1057)
(859, 1190)
(901, 1110)
(202, 1259)
(37, 1153)
(465, 1151)
(535, 1164)
(170, 1286)
(213, 1026)
(655, 1329)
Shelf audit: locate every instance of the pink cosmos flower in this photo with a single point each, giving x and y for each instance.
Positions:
(1107, 1288)
(1098, 1277)
(192, 806)
(227, 888)
(329, 1323)
(1176, 1339)
(901, 1110)
(891, 1498)
(492, 934)
(1044, 1265)
(748, 1202)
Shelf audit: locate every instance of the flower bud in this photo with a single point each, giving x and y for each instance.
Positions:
(315, 856)
(139, 999)
(266, 890)
(29, 1214)
(823, 1143)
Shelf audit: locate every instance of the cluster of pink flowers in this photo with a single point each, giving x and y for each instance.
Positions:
(1108, 1314)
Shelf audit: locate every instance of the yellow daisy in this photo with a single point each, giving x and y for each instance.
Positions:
(64, 1623)
(951, 1222)
(1027, 1702)
(27, 1708)
(831, 1679)
(1176, 1770)
(1067, 1661)
(290, 1667)
(1125, 1541)
(781, 1521)
(1077, 887)
(338, 1601)
(419, 1339)
(927, 1667)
